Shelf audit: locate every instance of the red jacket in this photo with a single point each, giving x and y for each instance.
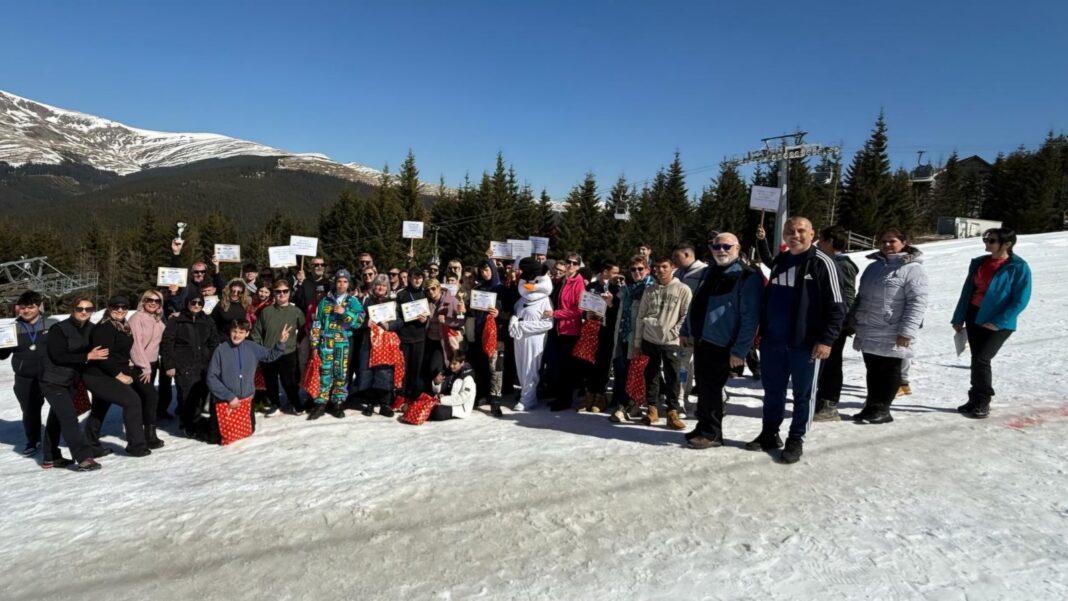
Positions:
(568, 315)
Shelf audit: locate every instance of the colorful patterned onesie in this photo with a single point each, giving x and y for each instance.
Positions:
(330, 335)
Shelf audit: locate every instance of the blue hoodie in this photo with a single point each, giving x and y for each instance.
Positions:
(1005, 299)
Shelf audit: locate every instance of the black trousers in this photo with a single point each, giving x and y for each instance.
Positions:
(440, 413)
(31, 400)
(984, 345)
(61, 401)
(413, 368)
(283, 368)
(107, 391)
(883, 378)
(164, 391)
(433, 363)
(714, 364)
(567, 370)
(830, 383)
(662, 359)
(192, 393)
(602, 365)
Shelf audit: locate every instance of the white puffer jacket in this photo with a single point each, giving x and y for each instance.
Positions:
(891, 302)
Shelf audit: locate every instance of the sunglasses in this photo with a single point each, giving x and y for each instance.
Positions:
(570, 262)
(83, 309)
(118, 307)
(721, 247)
(281, 291)
(196, 303)
(152, 301)
(318, 264)
(394, 274)
(368, 275)
(991, 241)
(199, 272)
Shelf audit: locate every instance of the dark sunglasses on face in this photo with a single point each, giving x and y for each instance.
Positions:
(318, 264)
(196, 303)
(281, 291)
(199, 272)
(637, 269)
(83, 309)
(990, 241)
(394, 274)
(152, 301)
(368, 275)
(721, 247)
(118, 307)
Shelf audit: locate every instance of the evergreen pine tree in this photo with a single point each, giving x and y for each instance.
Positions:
(582, 227)
(947, 197)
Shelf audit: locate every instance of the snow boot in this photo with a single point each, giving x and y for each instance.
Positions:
(904, 389)
(674, 422)
(495, 406)
(585, 403)
(600, 401)
(792, 452)
(979, 410)
(879, 415)
(866, 412)
(767, 441)
(652, 416)
(152, 439)
(826, 411)
(386, 411)
(619, 416)
(337, 410)
(318, 410)
(966, 407)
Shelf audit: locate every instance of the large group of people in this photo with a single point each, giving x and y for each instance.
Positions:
(667, 324)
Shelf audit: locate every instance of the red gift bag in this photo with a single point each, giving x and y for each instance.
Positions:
(234, 424)
(385, 350)
(586, 347)
(489, 336)
(259, 380)
(310, 381)
(636, 379)
(82, 403)
(398, 402)
(419, 409)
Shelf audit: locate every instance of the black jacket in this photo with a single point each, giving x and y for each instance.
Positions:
(118, 344)
(188, 343)
(821, 306)
(68, 352)
(415, 330)
(24, 362)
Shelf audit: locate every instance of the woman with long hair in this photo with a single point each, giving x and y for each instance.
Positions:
(375, 383)
(996, 291)
(234, 304)
(147, 325)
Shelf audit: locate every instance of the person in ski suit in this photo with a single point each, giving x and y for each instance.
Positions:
(338, 315)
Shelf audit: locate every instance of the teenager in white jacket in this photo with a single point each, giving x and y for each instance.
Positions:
(455, 389)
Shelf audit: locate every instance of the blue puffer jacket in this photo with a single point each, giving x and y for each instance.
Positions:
(726, 308)
(1005, 299)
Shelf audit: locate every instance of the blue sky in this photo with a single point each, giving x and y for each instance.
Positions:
(559, 87)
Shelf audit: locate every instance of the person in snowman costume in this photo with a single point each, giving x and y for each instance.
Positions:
(531, 322)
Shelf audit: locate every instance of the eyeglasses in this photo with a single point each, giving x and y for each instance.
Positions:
(721, 247)
(199, 272)
(118, 308)
(318, 264)
(394, 274)
(991, 241)
(365, 262)
(572, 262)
(83, 309)
(196, 303)
(281, 291)
(152, 301)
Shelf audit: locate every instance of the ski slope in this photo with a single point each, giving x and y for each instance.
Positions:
(569, 506)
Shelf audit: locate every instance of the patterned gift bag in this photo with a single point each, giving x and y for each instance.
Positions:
(234, 424)
(259, 380)
(310, 381)
(636, 379)
(385, 350)
(82, 404)
(586, 347)
(419, 409)
(489, 336)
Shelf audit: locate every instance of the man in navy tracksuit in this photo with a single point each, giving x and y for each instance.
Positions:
(801, 317)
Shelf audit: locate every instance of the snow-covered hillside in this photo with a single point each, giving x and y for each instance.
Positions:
(34, 132)
(568, 506)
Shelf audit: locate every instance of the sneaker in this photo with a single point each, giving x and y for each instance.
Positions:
(619, 417)
(966, 407)
(674, 422)
(89, 465)
(879, 416)
(978, 412)
(291, 410)
(767, 441)
(270, 410)
(792, 452)
(31, 449)
(904, 390)
(700, 443)
(59, 462)
(386, 411)
(865, 413)
(318, 411)
(827, 411)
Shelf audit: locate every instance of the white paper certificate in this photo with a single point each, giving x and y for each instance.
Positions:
(521, 248)
(9, 334)
(303, 246)
(539, 245)
(414, 309)
(483, 301)
(960, 341)
(382, 312)
(500, 250)
(282, 256)
(593, 302)
(209, 303)
(228, 253)
(412, 229)
(167, 276)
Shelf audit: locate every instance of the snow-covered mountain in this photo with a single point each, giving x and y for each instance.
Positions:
(34, 132)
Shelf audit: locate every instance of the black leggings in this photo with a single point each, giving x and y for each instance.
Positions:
(61, 401)
(413, 368)
(568, 370)
(283, 368)
(133, 398)
(883, 379)
(984, 345)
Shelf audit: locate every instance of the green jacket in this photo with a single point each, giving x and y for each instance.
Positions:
(268, 328)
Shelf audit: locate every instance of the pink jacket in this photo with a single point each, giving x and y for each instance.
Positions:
(147, 332)
(568, 315)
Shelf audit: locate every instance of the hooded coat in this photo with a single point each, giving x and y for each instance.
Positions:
(891, 302)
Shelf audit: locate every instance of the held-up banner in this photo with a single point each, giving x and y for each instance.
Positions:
(412, 230)
(304, 246)
(228, 253)
(171, 276)
(282, 256)
(763, 198)
(521, 248)
(539, 245)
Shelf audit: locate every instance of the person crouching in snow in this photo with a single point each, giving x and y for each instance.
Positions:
(531, 322)
(455, 390)
(232, 371)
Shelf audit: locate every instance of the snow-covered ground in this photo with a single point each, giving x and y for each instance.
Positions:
(569, 506)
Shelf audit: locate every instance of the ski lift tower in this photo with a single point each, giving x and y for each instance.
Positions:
(38, 275)
(782, 153)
